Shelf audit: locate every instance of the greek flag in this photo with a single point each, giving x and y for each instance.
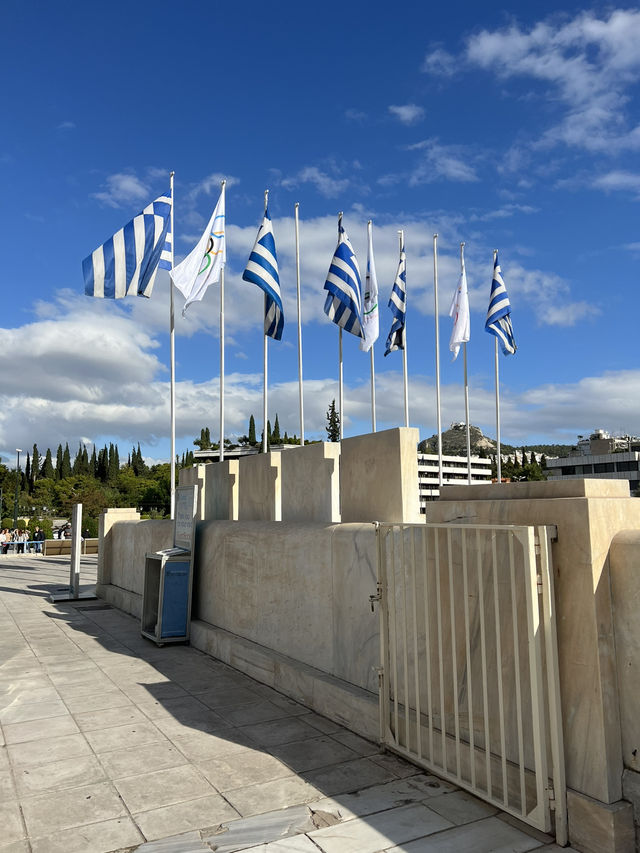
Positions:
(343, 305)
(262, 269)
(127, 263)
(498, 321)
(398, 305)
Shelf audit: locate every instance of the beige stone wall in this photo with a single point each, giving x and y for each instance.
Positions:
(311, 483)
(259, 487)
(624, 564)
(379, 476)
(588, 515)
(299, 589)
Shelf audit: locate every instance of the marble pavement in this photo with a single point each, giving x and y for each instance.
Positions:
(108, 743)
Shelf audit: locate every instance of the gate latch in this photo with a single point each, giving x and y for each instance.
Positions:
(376, 597)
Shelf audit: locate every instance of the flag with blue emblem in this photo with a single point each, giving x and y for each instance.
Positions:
(398, 305)
(343, 305)
(128, 262)
(370, 320)
(262, 269)
(498, 321)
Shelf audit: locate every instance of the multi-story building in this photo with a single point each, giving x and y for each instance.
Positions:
(601, 456)
(454, 472)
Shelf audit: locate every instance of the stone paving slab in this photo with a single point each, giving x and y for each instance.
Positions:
(109, 744)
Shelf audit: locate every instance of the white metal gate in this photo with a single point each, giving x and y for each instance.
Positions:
(469, 676)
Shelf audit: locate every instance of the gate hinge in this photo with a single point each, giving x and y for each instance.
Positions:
(536, 545)
(379, 670)
(376, 597)
(551, 796)
(539, 584)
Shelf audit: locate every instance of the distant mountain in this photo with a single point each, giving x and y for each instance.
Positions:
(454, 443)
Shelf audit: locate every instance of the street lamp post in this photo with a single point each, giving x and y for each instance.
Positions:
(15, 505)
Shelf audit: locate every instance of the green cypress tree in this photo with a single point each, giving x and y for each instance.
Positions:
(27, 472)
(102, 468)
(333, 423)
(66, 463)
(48, 471)
(77, 462)
(252, 431)
(35, 466)
(93, 463)
(59, 463)
(276, 432)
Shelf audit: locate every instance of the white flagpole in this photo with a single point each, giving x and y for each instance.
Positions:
(466, 413)
(172, 351)
(340, 389)
(221, 449)
(497, 372)
(438, 410)
(265, 442)
(404, 335)
(373, 392)
(300, 382)
(466, 388)
(373, 368)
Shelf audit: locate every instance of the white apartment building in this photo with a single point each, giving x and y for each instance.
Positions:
(454, 472)
(601, 456)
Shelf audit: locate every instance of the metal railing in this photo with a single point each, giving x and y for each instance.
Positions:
(469, 682)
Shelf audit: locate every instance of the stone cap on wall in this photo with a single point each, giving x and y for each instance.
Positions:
(540, 489)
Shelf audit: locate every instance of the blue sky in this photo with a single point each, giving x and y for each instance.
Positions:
(516, 129)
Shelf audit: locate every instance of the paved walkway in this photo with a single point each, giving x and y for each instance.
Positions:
(108, 743)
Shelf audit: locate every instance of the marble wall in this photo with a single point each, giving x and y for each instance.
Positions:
(299, 589)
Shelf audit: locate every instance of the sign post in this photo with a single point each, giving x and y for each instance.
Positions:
(72, 592)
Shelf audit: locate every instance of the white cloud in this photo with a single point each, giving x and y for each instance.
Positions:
(123, 188)
(355, 115)
(448, 162)
(440, 62)
(407, 113)
(586, 64)
(618, 181)
(327, 185)
(66, 125)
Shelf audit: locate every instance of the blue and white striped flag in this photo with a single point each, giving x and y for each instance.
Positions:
(127, 263)
(498, 321)
(343, 305)
(398, 305)
(262, 269)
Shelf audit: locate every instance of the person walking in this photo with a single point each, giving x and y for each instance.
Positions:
(38, 537)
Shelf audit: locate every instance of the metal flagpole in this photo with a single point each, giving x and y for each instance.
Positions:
(300, 384)
(497, 372)
(221, 449)
(373, 392)
(372, 360)
(466, 413)
(438, 411)
(340, 390)
(172, 351)
(466, 388)
(264, 389)
(404, 335)
(265, 442)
